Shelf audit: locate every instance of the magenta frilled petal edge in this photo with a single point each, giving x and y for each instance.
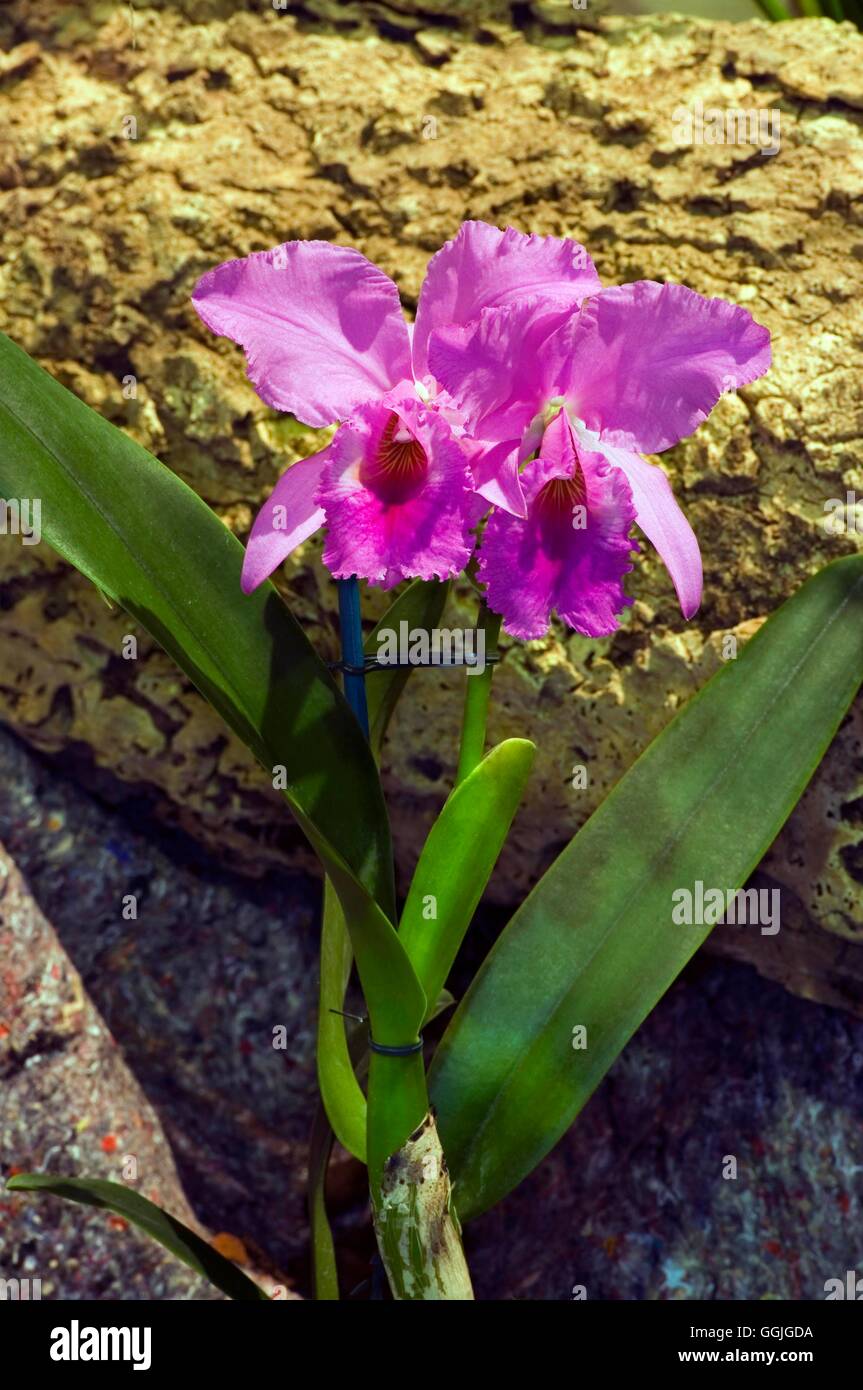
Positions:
(647, 362)
(321, 326)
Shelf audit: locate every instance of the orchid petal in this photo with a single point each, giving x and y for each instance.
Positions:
(496, 475)
(658, 513)
(648, 362)
(288, 517)
(502, 369)
(557, 448)
(483, 267)
(547, 563)
(388, 527)
(321, 326)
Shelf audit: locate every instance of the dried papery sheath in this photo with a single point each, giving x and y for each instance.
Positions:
(418, 1232)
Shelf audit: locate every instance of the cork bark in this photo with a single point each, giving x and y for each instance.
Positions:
(383, 127)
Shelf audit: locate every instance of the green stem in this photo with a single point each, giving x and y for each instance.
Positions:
(398, 1101)
(476, 701)
(417, 1230)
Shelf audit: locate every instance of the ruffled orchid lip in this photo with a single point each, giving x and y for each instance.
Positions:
(557, 498)
(395, 496)
(398, 465)
(571, 551)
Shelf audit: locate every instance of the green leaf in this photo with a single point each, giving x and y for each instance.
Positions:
(458, 857)
(594, 943)
(394, 997)
(342, 1098)
(476, 699)
(151, 545)
(325, 1275)
(421, 606)
(162, 1227)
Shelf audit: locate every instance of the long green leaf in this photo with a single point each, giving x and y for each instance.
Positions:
(457, 860)
(393, 994)
(341, 1095)
(421, 606)
(325, 1276)
(151, 545)
(160, 1225)
(454, 868)
(594, 944)
(394, 997)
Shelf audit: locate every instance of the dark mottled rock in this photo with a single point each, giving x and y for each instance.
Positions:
(69, 1104)
(634, 1204)
(631, 1204)
(164, 1052)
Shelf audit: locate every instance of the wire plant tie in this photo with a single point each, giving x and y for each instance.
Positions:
(405, 1050)
(372, 664)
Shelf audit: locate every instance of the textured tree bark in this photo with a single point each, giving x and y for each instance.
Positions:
(255, 126)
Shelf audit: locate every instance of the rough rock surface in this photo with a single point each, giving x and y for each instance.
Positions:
(190, 974)
(70, 1105)
(638, 1201)
(254, 126)
(728, 1067)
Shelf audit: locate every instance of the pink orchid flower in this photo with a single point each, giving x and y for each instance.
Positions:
(326, 339)
(631, 371)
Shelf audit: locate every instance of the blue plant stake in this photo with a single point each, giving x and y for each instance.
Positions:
(353, 656)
